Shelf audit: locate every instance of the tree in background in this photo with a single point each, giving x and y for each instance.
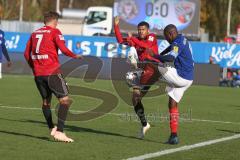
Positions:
(34, 9)
(8, 9)
(214, 17)
(213, 12)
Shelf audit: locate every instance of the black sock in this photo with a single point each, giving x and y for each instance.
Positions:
(48, 116)
(140, 112)
(62, 115)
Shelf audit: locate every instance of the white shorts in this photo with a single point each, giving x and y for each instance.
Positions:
(176, 84)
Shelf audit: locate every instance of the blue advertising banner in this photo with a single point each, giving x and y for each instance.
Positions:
(92, 46)
(226, 55)
(16, 42)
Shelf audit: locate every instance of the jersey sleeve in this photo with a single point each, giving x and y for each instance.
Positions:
(4, 49)
(118, 34)
(167, 50)
(170, 53)
(59, 40)
(174, 50)
(27, 52)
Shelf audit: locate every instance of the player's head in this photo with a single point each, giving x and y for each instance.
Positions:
(143, 29)
(170, 33)
(51, 19)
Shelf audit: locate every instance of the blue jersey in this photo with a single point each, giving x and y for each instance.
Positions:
(3, 49)
(1, 44)
(184, 64)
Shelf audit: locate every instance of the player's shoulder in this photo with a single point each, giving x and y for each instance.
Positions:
(152, 37)
(1, 34)
(42, 30)
(180, 40)
(152, 34)
(1, 31)
(56, 31)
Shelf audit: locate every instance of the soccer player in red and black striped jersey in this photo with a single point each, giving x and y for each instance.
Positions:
(145, 43)
(41, 53)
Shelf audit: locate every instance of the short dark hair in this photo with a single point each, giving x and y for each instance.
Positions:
(170, 28)
(143, 23)
(51, 15)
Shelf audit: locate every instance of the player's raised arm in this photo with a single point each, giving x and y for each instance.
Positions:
(59, 39)
(117, 30)
(118, 34)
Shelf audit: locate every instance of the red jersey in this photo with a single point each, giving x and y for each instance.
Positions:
(142, 46)
(42, 51)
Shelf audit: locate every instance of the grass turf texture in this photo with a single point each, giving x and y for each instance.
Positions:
(24, 135)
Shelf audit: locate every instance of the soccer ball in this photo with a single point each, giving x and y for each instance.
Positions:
(130, 76)
(133, 77)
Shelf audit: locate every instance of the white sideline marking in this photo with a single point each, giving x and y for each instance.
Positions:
(184, 148)
(121, 114)
(213, 121)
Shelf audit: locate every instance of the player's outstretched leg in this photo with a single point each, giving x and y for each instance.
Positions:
(139, 109)
(174, 117)
(62, 115)
(46, 109)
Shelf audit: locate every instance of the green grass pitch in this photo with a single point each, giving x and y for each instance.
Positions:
(24, 135)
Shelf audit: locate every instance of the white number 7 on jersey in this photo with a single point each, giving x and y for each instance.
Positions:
(39, 37)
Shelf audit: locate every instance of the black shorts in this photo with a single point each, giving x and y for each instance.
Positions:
(51, 84)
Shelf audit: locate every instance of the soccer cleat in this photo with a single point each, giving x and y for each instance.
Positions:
(60, 136)
(143, 131)
(53, 131)
(173, 139)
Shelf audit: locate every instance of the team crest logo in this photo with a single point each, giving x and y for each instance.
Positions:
(151, 38)
(175, 49)
(185, 11)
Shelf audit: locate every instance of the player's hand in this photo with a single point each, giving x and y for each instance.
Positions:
(79, 56)
(116, 20)
(9, 64)
(129, 34)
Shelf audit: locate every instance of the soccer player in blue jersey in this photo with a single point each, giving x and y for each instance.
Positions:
(3, 50)
(180, 77)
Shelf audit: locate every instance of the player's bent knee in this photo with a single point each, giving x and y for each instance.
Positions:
(136, 96)
(46, 103)
(172, 103)
(162, 70)
(65, 101)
